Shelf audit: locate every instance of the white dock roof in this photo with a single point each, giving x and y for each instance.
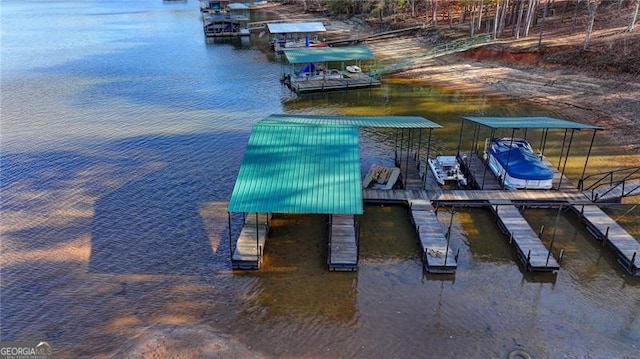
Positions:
(296, 27)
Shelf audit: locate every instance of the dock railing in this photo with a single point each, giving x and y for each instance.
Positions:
(619, 183)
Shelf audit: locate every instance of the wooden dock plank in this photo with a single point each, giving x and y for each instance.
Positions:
(437, 255)
(250, 244)
(343, 246)
(351, 80)
(531, 251)
(604, 228)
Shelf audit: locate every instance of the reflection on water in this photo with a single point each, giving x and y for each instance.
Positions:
(122, 134)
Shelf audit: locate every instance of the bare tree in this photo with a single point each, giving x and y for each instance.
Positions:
(544, 17)
(435, 12)
(496, 19)
(519, 19)
(531, 10)
(503, 12)
(575, 16)
(592, 7)
(632, 24)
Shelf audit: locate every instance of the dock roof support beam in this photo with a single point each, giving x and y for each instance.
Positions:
(566, 158)
(584, 169)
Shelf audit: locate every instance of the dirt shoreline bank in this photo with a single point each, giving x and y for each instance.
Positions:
(610, 103)
(607, 99)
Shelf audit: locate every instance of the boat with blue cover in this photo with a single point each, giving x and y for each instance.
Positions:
(515, 164)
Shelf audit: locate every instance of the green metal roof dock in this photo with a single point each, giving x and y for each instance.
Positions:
(309, 69)
(306, 164)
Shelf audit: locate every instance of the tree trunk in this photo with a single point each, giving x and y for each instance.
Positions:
(435, 12)
(544, 17)
(480, 14)
(519, 21)
(632, 24)
(503, 12)
(495, 20)
(531, 11)
(473, 21)
(593, 8)
(575, 16)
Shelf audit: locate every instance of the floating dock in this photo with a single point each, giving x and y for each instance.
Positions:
(343, 244)
(531, 252)
(248, 251)
(437, 256)
(605, 229)
(349, 81)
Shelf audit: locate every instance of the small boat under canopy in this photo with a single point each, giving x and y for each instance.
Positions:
(515, 164)
(447, 169)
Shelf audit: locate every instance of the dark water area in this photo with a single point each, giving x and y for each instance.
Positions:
(122, 131)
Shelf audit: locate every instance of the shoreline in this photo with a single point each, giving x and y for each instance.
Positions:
(608, 100)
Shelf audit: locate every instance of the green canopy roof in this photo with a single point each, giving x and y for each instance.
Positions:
(301, 55)
(528, 122)
(299, 169)
(307, 164)
(357, 121)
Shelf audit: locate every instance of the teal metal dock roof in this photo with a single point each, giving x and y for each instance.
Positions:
(301, 55)
(357, 121)
(528, 122)
(299, 169)
(307, 164)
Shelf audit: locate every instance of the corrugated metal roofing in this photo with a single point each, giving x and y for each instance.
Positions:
(358, 121)
(296, 27)
(528, 122)
(237, 6)
(301, 55)
(299, 169)
(307, 164)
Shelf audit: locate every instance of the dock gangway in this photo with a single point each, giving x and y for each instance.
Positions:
(611, 186)
(450, 47)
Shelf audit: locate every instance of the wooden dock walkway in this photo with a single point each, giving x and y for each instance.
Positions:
(478, 174)
(615, 192)
(349, 81)
(410, 172)
(531, 252)
(437, 255)
(250, 244)
(343, 244)
(533, 198)
(601, 226)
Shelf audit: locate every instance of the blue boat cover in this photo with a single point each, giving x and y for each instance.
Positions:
(310, 68)
(522, 163)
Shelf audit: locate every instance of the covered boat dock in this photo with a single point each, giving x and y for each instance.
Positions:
(311, 165)
(224, 19)
(311, 69)
(475, 167)
(296, 34)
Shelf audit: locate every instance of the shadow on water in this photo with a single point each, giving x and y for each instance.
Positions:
(294, 282)
(154, 224)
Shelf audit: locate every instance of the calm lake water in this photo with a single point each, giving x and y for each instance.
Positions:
(122, 132)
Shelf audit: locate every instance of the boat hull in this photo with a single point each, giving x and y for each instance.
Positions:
(524, 170)
(446, 169)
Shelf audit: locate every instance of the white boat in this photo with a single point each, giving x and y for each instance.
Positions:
(447, 169)
(353, 69)
(515, 164)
